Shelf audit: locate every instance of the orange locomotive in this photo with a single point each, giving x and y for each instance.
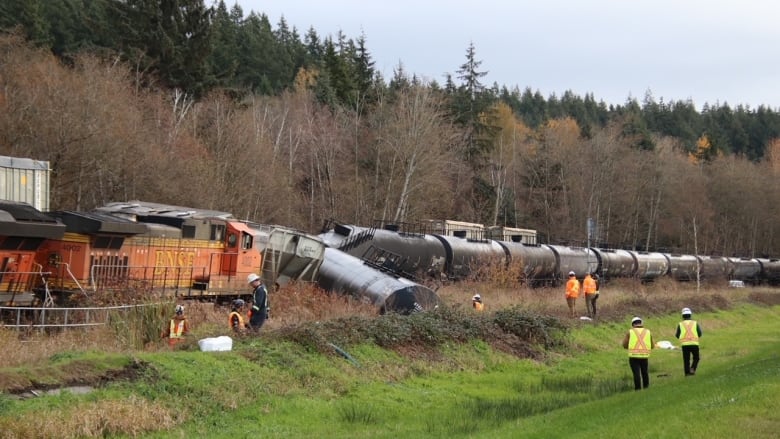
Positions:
(151, 248)
(24, 230)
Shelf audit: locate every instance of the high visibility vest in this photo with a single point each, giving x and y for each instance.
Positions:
(639, 343)
(589, 285)
(479, 306)
(176, 329)
(240, 320)
(573, 288)
(689, 336)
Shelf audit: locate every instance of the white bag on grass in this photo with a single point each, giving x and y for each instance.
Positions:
(214, 344)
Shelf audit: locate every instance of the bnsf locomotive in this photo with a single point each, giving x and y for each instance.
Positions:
(143, 247)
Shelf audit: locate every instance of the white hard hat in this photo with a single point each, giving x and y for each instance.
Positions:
(571, 273)
(179, 309)
(476, 297)
(636, 320)
(251, 278)
(686, 311)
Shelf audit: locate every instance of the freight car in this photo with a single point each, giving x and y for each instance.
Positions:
(343, 273)
(453, 256)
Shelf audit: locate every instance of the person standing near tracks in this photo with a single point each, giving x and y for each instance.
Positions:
(591, 291)
(639, 342)
(178, 327)
(688, 332)
(235, 319)
(260, 306)
(572, 292)
(476, 303)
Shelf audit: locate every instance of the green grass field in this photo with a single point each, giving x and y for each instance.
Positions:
(271, 388)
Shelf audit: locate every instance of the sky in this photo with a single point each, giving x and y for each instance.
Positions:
(705, 51)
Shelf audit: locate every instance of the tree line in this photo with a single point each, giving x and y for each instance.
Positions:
(175, 102)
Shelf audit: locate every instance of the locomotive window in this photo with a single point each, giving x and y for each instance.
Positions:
(102, 241)
(11, 243)
(31, 244)
(116, 243)
(232, 240)
(187, 231)
(247, 242)
(217, 232)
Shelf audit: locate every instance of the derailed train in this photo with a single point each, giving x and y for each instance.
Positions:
(200, 254)
(171, 251)
(455, 255)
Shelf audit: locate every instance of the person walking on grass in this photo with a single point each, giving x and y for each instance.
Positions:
(572, 292)
(639, 342)
(688, 332)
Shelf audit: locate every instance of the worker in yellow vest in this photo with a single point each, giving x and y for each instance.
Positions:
(476, 303)
(639, 342)
(688, 332)
(178, 327)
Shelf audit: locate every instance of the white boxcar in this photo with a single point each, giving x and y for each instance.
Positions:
(26, 181)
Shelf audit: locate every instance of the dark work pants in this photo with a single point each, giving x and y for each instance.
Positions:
(639, 369)
(590, 302)
(688, 352)
(257, 320)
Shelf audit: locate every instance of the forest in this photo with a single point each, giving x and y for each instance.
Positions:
(180, 102)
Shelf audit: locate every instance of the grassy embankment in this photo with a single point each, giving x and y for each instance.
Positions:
(454, 375)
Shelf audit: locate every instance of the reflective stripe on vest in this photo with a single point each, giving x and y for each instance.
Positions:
(240, 320)
(688, 334)
(639, 343)
(177, 329)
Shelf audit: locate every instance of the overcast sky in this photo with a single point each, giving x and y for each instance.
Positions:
(712, 51)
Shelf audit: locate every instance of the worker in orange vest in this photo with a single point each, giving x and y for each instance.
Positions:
(235, 319)
(590, 289)
(476, 302)
(572, 292)
(178, 327)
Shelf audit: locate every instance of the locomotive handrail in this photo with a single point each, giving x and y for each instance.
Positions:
(88, 321)
(93, 278)
(67, 268)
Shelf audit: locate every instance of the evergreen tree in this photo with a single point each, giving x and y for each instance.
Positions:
(364, 68)
(338, 69)
(28, 15)
(173, 38)
(256, 52)
(470, 102)
(223, 60)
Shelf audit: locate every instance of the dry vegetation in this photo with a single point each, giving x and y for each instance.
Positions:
(299, 304)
